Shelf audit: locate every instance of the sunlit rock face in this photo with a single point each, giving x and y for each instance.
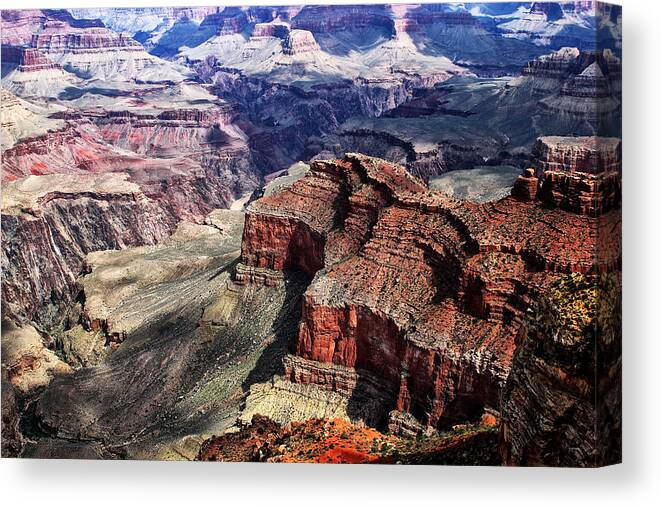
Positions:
(407, 276)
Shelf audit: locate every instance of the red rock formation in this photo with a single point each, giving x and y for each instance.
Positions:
(526, 185)
(418, 294)
(26, 59)
(587, 194)
(338, 441)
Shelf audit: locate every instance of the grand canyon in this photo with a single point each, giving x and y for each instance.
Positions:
(331, 234)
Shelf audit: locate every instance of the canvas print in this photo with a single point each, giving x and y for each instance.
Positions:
(385, 234)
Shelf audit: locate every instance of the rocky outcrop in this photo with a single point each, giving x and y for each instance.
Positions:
(299, 42)
(423, 17)
(555, 65)
(578, 75)
(588, 82)
(278, 30)
(588, 95)
(580, 174)
(93, 40)
(526, 186)
(582, 193)
(562, 401)
(419, 295)
(592, 155)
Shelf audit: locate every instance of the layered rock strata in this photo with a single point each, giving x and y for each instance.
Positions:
(27, 72)
(46, 238)
(417, 294)
(580, 174)
(579, 75)
(324, 19)
(19, 25)
(300, 41)
(86, 47)
(592, 155)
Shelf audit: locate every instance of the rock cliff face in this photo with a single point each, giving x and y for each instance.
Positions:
(416, 294)
(580, 174)
(26, 59)
(279, 30)
(300, 41)
(591, 155)
(562, 401)
(589, 82)
(231, 20)
(324, 19)
(555, 65)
